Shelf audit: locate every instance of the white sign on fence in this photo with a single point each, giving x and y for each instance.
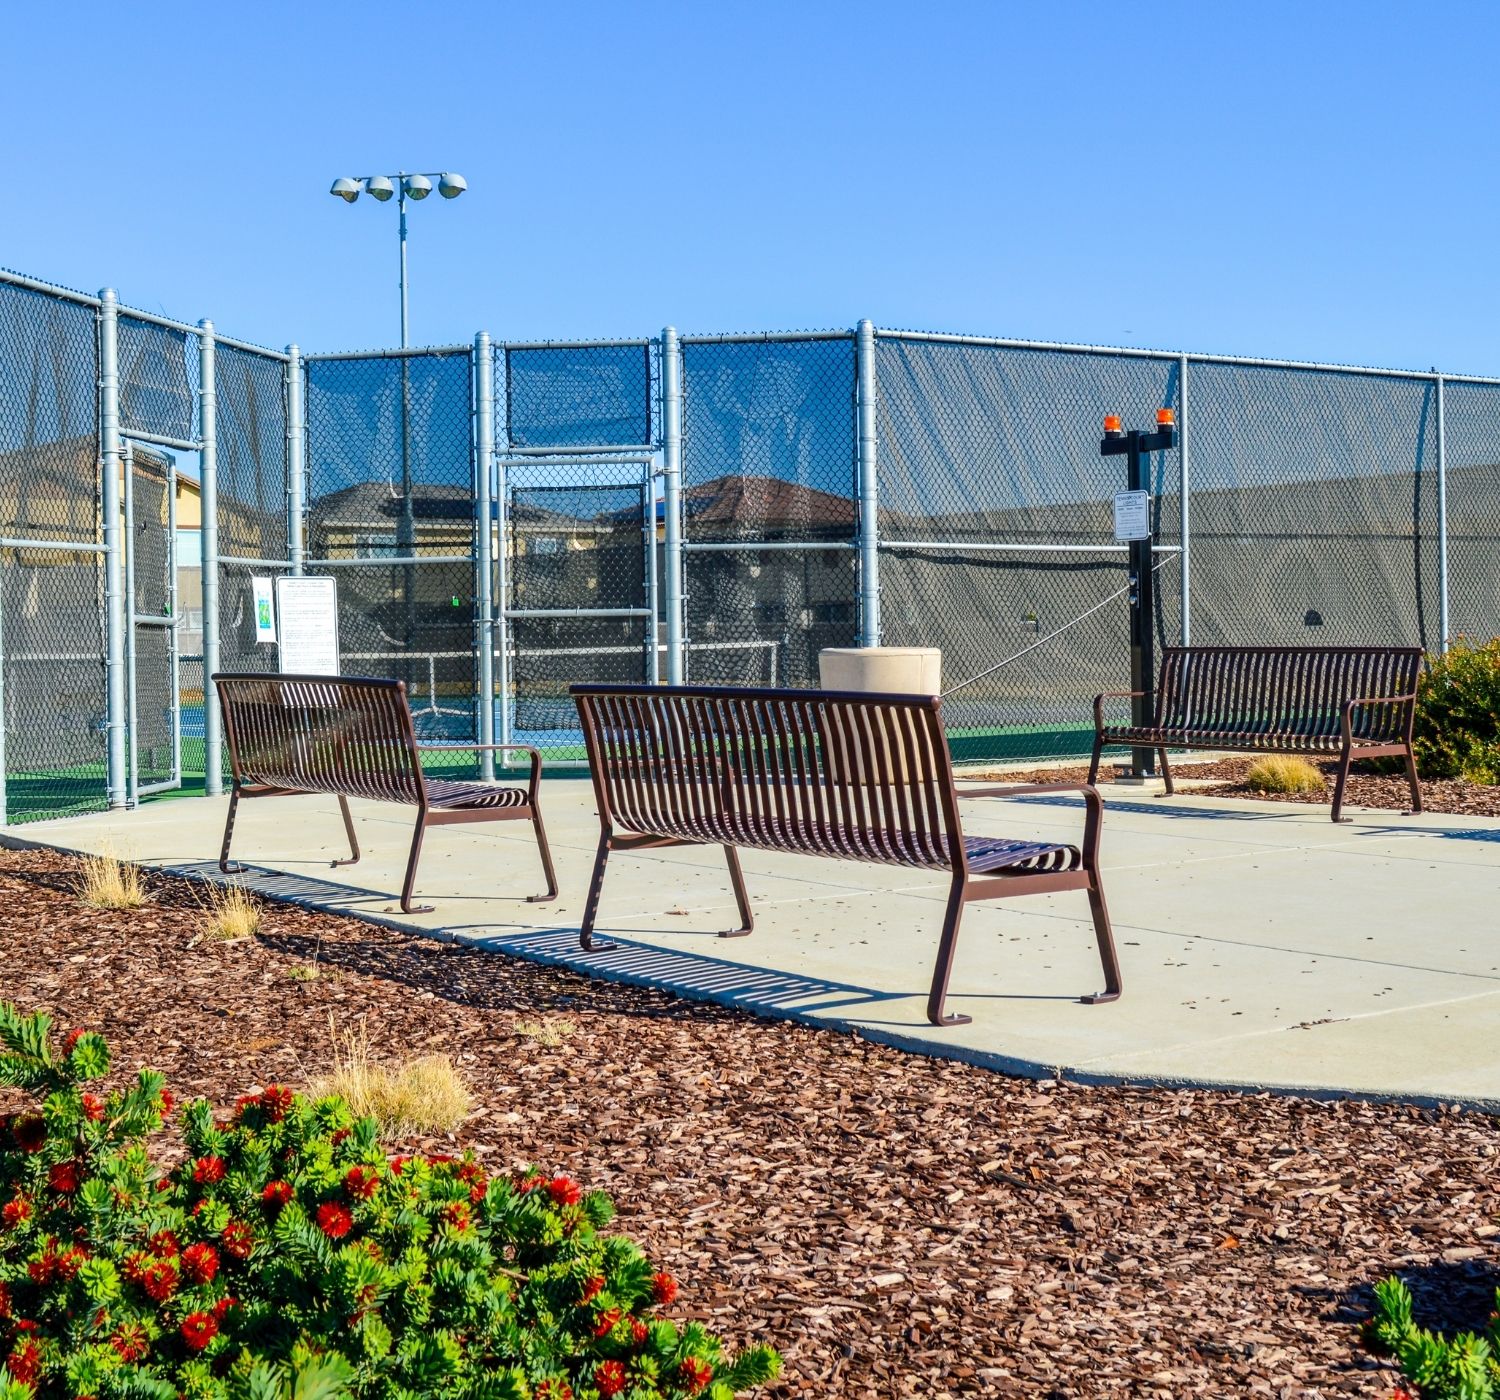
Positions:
(309, 612)
(265, 610)
(1133, 515)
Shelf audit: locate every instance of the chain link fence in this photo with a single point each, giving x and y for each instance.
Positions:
(1303, 504)
(996, 530)
(391, 516)
(52, 674)
(769, 509)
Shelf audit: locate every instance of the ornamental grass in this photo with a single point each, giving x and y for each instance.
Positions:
(107, 882)
(423, 1095)
(1283, 773)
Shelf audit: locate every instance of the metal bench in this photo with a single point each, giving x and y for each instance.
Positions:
(851, 777)
(352, 737)
(1320, 701)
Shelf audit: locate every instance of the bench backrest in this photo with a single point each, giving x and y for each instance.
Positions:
(1292, 691)
(337, 734)
(866, 777)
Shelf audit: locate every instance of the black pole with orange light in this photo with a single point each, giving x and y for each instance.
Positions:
(1141, 576)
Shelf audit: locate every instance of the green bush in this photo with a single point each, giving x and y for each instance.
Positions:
(1463, 1367)
(286, 1258)
(1457, 733)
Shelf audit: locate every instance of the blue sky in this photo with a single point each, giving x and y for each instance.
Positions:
(1313, 180)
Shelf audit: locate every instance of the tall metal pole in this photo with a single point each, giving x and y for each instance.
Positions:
(114, 554)
(208, 538)
(1184, 502)
(1442, 492)
(1142, 618)
(484, 465)
(296, 438)
(406, 532)
(671, 454)
(132, 711)
(869, 524)
(401, 206)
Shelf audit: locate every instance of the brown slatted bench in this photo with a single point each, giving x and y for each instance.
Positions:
(352, 737)
(851, 777)
(1319, 701)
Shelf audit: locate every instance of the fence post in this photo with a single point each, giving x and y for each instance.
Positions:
(1442, 488)
(295, 442)
(671, 458)
(114, 562)
(1184, 504)
(208, 544)
(869, 506)
(484, 462)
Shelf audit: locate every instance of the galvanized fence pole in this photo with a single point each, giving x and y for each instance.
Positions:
(869, 523)
(296, 439)
(484, 466)
(208, 539)
(671, 457)
(114, 554)
(1184, 503)
(1442, 494)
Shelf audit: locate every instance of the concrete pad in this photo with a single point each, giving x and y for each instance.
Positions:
(1262, 945)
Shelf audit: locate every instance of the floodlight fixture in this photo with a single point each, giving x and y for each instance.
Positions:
(406, 185)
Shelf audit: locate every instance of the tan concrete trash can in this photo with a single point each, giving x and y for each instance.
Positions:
(884, 671)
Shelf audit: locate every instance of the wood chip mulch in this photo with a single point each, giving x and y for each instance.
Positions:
(898, 1226)
(1226, 778)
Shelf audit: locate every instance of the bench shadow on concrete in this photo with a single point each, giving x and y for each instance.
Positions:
(681, 972)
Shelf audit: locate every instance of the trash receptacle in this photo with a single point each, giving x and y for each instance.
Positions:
(879, 670)
(889, 670)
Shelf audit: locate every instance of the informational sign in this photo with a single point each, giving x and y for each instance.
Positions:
(1133, 515)
(265, 610)
(308, 610)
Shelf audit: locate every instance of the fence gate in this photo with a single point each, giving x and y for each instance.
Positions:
(154, 713)
(578, 592)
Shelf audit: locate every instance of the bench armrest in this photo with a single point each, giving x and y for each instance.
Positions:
(1346, 718)
(1093, 805)
(1111, 695)
(536, 757)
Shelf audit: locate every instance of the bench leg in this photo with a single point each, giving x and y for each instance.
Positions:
(591, 905)
(407, 907)
(741, 896)
(1166, 772)
(545, 852)
(349, 831)
(1106, 939)
(1411, 777)
(224, 863)
(946, 948)
(1338, 786)
(1094, 762)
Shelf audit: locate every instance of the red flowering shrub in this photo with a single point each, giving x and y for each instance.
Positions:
(287, 1251)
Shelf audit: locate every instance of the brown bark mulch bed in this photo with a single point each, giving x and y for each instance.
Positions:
(1367, 787)
(899, 1226)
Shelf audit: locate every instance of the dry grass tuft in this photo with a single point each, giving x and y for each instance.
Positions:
(1283, 773)
(550, 1031)
(304, 972)
(424, 1095)
(107, 882)
(231, 914)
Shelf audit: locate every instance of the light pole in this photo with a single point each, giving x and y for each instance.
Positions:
(417, 187)
(404, 187)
